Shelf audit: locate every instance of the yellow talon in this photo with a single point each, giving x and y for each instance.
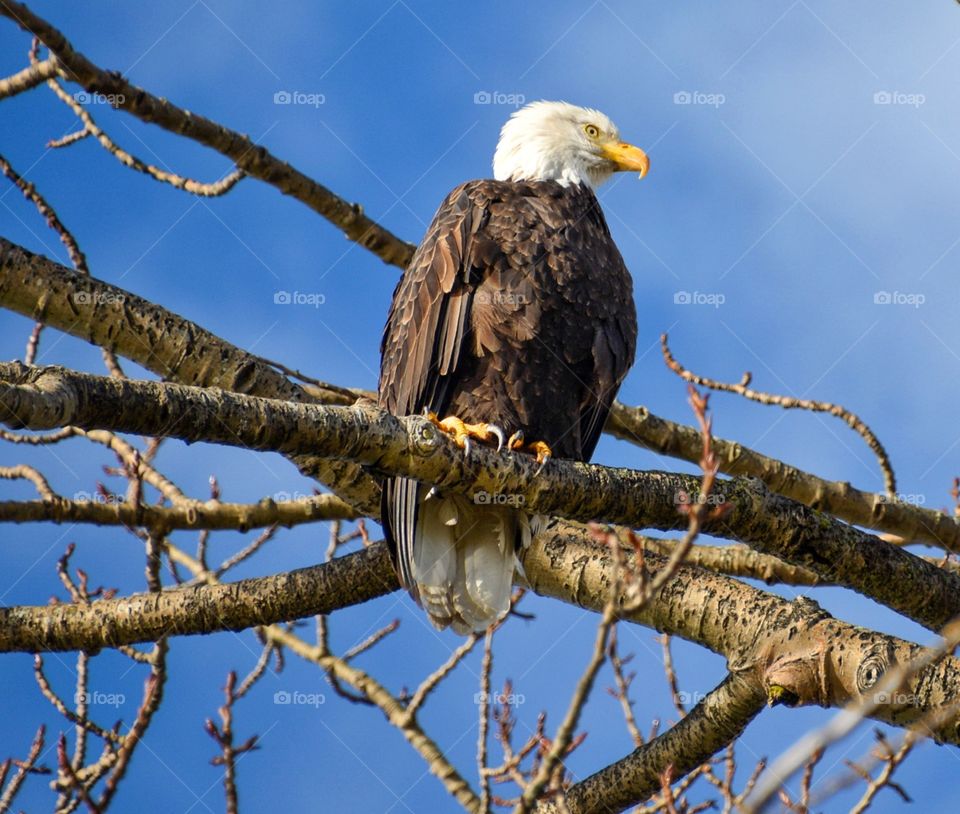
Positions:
(539, 448)
(542, 450)
(461, 432)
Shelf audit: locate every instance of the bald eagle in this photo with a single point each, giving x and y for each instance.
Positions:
(514, 320)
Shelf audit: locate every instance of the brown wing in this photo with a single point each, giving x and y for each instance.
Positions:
(429, 318)
(421, 348)
(614, 343)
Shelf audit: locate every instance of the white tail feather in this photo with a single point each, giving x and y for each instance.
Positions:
(464, 561)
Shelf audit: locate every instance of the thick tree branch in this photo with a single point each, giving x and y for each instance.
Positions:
(715, 722)
(343, 582)
(253, 159)
(871, 510)
(45, 398)
(164, 343)
(794, 650)
(190, 515)
(742, 561)
(179, 350)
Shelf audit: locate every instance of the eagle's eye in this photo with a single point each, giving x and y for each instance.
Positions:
(591, 130)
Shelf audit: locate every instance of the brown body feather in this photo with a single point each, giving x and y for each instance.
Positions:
(516, 310)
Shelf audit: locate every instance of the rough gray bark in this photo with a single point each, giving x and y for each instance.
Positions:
(346, 581)
(716, 721)
(874, 511)
(181, 351)
(164, 343)
(45, 398)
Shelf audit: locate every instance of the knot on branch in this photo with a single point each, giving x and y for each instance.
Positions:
(425, 436)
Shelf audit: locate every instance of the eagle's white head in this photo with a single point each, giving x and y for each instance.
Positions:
(557, 141)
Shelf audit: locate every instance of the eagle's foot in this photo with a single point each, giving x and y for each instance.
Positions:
(540, 449)
(462, 433)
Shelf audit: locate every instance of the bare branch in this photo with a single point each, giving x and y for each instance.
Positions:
(742, 388)
(164, 343)
(190, 515)
(253, 159)
(346, 581)
(874, 511)
(43, 398)
(711, 725)
(28, 78)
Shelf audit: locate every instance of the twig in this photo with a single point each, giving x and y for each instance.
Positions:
(224, 739)
(253, 159)
(27, 472)
(742, 388)
(204, 190)
(622, 691)
(24, 768)
(486, 668)
(28, 78)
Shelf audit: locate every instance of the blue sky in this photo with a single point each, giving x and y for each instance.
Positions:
(803, 200)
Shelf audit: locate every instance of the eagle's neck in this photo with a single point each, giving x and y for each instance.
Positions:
(541, 158)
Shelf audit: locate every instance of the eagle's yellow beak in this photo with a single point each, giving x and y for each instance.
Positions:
(626, 157)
